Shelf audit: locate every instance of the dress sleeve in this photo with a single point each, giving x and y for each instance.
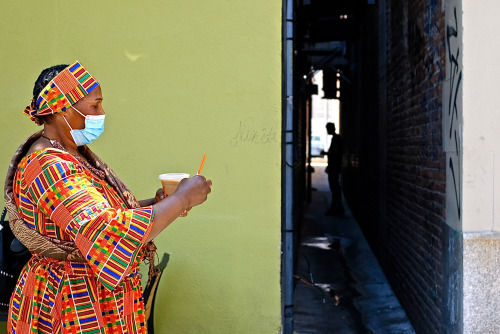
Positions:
(109, 238)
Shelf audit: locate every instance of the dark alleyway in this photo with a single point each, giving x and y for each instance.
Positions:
(339, 286)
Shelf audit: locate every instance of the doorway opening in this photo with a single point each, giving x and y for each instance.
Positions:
(323, 110)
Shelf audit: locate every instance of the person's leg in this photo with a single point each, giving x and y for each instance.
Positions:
(337, 197)
(333, 183)
(336, 190)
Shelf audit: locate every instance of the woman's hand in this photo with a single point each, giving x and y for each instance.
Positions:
(151, 201)
(194, 190)
(185, 213)
(190, 193)
(159, 195)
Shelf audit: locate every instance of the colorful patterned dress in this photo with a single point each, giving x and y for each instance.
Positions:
(61, 199)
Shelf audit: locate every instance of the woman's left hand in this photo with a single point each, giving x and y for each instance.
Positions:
(185, 213)
(159, 195)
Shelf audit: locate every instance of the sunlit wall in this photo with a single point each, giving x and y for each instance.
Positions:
(179, 79)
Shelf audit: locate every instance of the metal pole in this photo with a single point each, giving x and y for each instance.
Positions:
(287, 170)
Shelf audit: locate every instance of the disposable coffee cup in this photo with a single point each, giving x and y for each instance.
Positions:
(170, 182)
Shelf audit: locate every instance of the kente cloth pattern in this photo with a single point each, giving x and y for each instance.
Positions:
(60, 199)
(64, 90)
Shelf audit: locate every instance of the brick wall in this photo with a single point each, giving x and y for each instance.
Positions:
(410, 233)
(416, 168)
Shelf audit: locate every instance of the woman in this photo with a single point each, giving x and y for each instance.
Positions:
(86, 232)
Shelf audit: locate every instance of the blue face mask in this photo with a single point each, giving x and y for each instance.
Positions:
(94, 127)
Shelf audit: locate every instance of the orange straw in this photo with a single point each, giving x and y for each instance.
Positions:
(201, 166)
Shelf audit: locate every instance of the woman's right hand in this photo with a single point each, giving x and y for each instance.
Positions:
(194, 190)
(190, 192)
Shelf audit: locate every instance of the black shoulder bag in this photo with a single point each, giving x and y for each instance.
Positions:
(13, 257)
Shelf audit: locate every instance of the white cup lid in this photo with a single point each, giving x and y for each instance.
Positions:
(173, 176)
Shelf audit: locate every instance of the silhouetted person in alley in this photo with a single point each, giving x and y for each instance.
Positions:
(334, 167)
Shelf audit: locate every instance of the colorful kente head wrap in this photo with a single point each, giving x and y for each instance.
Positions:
(64, 90)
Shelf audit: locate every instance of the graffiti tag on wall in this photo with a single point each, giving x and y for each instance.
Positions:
(250, 132)
(452, 120)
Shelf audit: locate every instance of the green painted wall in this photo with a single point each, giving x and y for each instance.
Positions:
(180, 79)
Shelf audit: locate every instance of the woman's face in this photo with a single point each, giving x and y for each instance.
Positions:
(89, 105)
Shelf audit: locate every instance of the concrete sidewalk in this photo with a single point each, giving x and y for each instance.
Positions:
(339, 285)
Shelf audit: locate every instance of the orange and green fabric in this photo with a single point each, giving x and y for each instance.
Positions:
(64, 90)
(61, 200)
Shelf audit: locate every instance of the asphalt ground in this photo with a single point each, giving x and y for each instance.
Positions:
(339, 285)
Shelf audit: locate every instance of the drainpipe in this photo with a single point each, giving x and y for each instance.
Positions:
(287, 171)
